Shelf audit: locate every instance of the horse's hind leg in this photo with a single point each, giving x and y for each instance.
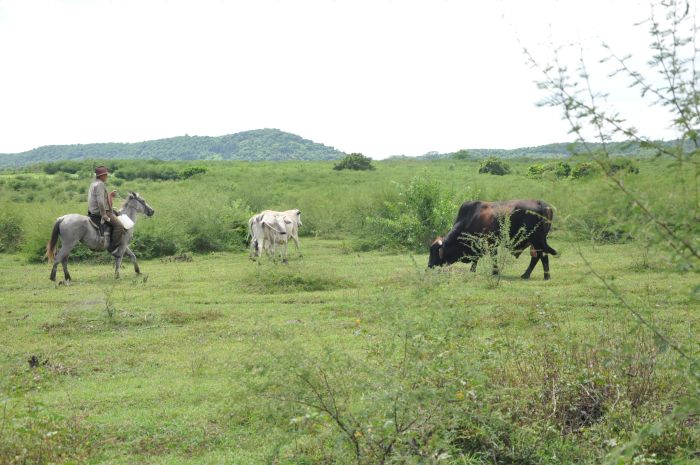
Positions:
(66, 274)
(62, 258)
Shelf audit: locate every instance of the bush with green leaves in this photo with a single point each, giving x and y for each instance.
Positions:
(354, 161)
(11, 231)
(560, 169)
(493, 165)
(583, 169)
(621, 165)
(191, 171)
(420, 211)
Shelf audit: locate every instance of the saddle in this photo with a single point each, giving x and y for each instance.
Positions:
(96, 222)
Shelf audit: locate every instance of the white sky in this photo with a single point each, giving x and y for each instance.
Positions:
(379, 77)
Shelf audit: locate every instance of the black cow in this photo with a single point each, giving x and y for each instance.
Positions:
(530, 221)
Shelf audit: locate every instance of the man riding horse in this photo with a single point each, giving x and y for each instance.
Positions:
(100, 208)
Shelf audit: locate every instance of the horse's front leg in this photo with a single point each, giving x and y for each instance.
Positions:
(133, 260)
(117, 265)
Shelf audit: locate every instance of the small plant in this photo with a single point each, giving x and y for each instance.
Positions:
(496, 249)
(354, 161)
(493, 165)
(110, 308)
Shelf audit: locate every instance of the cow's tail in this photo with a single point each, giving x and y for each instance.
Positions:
(549, 214)
(51, 245)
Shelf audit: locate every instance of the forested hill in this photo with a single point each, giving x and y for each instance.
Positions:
(256, 145)
(558, 150)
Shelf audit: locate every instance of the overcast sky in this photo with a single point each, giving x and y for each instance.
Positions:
(378, 77)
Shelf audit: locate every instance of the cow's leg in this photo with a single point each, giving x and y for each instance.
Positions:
(296, 243)
(534, 258)
(494, 269)
(284, 251)
(473, 267)
(132, 256)
(545, 265)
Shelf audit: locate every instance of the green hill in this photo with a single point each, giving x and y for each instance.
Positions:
(560, 150)
(256, 145)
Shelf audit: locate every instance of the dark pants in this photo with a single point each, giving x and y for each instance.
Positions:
(117, 230)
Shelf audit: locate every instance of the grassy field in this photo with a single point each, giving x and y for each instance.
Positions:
(344, 355)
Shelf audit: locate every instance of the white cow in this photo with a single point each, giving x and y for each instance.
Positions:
(267, 230)
(292, 221)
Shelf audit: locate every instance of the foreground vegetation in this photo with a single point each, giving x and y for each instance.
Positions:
(355, 353)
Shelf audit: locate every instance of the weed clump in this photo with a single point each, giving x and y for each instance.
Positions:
(279, 279)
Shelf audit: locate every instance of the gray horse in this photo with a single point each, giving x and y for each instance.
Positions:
(74, 228)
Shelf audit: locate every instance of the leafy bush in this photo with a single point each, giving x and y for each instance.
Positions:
(535, 171)
(560, 169)
(420, 211)
(493, 165)
(622, 164)
(582, 170)
(11, 231)
(191, 171)
(354, 161)
(151, 244)
(153, 172)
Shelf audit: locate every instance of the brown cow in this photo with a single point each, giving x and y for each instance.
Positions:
(530, 221)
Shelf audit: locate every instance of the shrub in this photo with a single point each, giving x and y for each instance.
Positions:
(163, 173)
(10, 231)
(410, 221)
(622, 164)
(560, 169)
(151, 244)
(191, 171)
(493, 165)
(583, 170)
(535, 171)
(354, 161)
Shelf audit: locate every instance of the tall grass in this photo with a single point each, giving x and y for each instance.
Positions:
(401, 205)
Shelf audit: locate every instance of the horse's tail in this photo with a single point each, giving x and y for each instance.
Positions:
(51, 245)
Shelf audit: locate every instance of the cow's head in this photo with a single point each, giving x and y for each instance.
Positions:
(437, 253)
(276, 223)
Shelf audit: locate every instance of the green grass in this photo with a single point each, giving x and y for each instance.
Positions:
(200, 362)
(348, 355)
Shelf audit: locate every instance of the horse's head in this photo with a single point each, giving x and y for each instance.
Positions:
(139, 203)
